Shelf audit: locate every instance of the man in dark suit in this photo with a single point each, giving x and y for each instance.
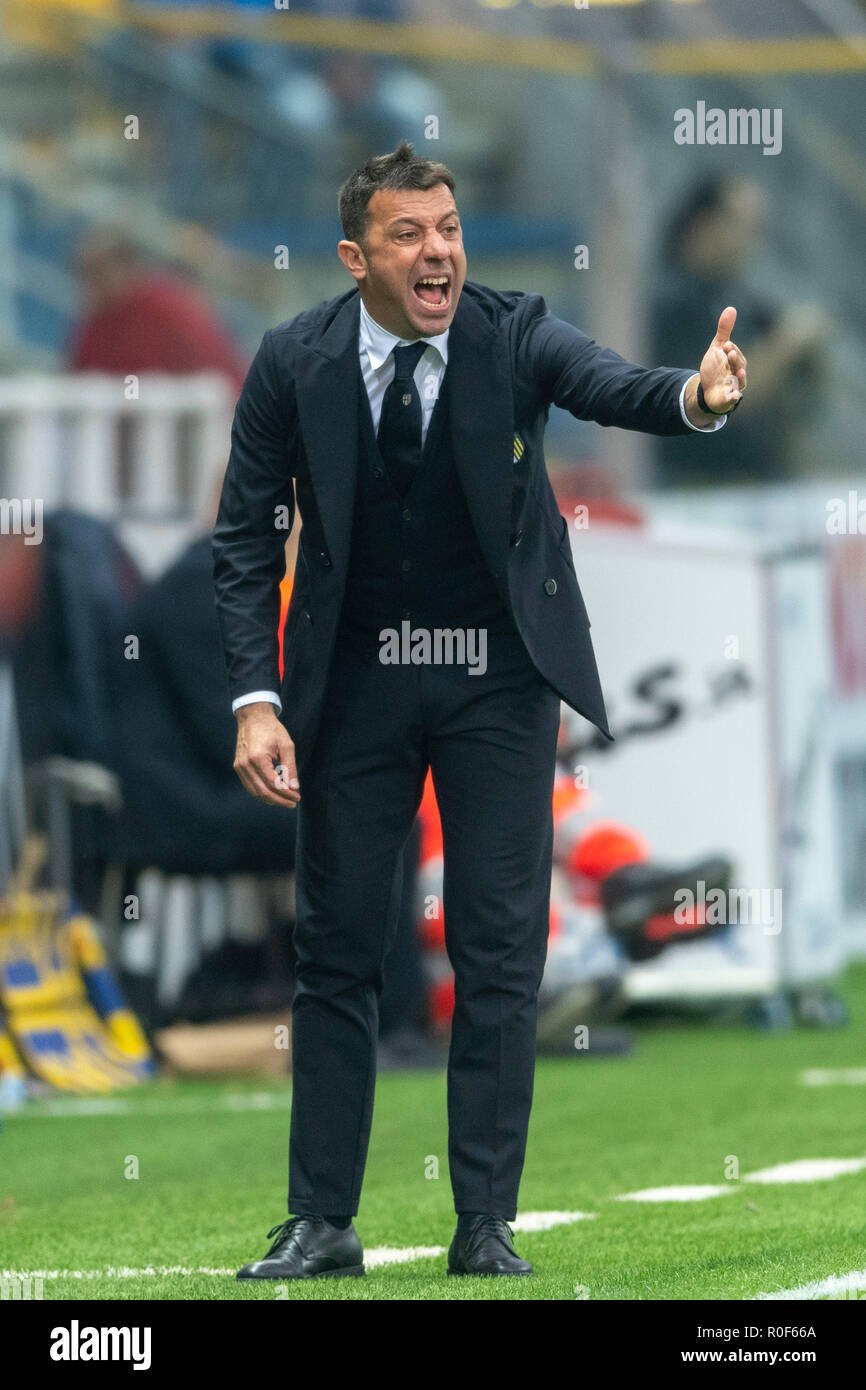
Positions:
(410, 412)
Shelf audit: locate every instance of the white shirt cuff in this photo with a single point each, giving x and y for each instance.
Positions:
(701, 429)
(254, 697)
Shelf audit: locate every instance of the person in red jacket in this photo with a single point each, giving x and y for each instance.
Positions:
(140, 319)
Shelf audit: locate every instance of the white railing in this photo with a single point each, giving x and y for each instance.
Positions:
(150, 464)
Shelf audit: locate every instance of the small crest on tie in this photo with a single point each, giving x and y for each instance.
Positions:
(407, 398)
(519, 446)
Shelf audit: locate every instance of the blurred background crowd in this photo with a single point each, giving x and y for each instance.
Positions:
(168, 182)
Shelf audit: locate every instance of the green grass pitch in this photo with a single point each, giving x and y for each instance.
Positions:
(212, 1180)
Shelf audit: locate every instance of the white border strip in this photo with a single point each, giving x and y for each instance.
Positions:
(837, 1284)
(373, 1259)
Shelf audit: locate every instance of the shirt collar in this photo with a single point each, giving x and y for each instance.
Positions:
(379, 342)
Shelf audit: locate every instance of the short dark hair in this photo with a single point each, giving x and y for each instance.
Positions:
(402, 168)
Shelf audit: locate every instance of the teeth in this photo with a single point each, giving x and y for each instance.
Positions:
(434, 280)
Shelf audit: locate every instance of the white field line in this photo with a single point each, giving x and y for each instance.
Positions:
(802, 1170)
(112, 1272)
(807, 1170)
(546, 1220)
(836, 1284)
(695, 1193)
(374, 1259)
(834, 1076)
(401, 1255)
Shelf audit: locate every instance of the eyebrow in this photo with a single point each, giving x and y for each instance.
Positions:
(415, 222)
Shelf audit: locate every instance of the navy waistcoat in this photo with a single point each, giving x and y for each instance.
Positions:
(416, 557)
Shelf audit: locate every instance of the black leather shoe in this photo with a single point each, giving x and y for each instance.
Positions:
(485, 1247)
(308, 1247)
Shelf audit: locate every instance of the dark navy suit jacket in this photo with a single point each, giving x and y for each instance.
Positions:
(509, 359)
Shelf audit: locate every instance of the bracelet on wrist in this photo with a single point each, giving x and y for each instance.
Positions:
(702, 404)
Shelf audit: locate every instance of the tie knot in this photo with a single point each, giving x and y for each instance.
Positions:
(406, 360)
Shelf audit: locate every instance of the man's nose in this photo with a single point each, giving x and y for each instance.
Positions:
(435, 247)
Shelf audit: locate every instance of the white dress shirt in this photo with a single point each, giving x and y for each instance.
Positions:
(377, 366)
(376, 349)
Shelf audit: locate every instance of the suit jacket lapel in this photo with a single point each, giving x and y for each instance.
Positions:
(482, 425)
(328, 399)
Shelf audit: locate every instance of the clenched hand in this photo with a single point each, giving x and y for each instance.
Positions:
(265, 756)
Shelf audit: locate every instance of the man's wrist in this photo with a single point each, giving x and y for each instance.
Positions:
(702, 404)
(251, 714)
(696, 418)
(257, 698)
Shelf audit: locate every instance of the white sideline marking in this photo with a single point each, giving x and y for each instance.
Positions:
(546, 1220)
(802, 1170)
(374, 1259)
(837, 1283)
(834, 1076)
(112, 1272)
(384, 1255)
(674, 1194)
(397, 1255)
(807, 1170)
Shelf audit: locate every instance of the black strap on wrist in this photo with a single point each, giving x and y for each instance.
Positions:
(702, 404)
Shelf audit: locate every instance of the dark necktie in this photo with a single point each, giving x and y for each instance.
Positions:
(399, 434)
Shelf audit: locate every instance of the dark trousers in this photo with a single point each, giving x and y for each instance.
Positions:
(491, 743)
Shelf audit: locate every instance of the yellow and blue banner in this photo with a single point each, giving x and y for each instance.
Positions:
(66, 1017)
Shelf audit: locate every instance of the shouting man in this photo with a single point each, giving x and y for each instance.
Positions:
(407, 416)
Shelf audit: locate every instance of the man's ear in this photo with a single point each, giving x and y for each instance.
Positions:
(353, 258)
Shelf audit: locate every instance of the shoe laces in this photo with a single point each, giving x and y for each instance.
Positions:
(491, 1225)
(288, 1228)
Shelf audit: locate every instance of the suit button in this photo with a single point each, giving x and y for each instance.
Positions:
(377, 472)
(407, 613)
(407, 565)
(407, 515)
(550, 586)
(325, 559)
(308, 615)
(516, 538)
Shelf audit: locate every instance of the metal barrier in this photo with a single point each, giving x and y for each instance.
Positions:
(145, 452)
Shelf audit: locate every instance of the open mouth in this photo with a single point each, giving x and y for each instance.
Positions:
(434, 291)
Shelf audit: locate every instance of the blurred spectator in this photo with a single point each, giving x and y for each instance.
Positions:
(20, 584)
(709, 241)
(69, 603)
(76, 602)
(185, 811)
(138, 319)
